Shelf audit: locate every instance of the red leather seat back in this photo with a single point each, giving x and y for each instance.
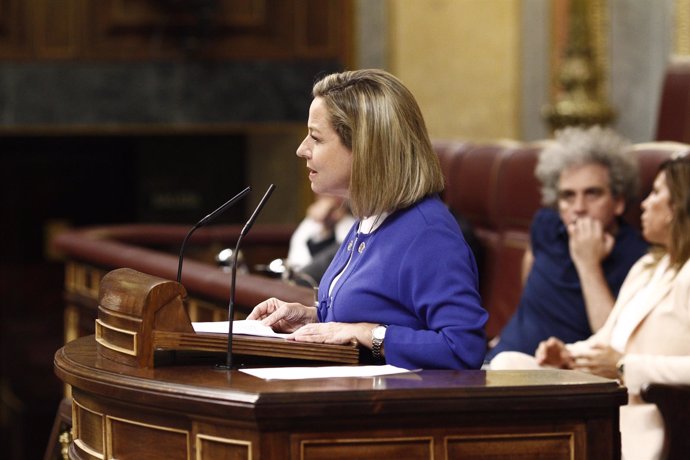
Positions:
(473, 184)
(673, 121)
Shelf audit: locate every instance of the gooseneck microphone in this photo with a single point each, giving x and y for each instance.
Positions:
(205, 221)
(231, 304)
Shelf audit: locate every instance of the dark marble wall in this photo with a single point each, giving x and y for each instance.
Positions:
(156, 92)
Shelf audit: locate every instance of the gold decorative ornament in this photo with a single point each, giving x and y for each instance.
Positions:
(579, 97)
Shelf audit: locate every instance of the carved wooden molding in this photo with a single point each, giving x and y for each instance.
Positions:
(170, 29)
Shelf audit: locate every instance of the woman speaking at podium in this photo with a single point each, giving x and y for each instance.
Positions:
(404, 281)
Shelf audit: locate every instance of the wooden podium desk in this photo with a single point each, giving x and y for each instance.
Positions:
(194, 411)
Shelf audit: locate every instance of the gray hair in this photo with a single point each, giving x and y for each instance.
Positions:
(576, 146)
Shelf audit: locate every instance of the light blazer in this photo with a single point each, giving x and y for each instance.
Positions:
(663, 326)
(663, 329)
(641, 369)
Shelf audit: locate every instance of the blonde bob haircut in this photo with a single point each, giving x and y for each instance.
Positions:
(378, 119)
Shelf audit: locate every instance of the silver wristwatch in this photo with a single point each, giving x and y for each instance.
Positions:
(377, 336)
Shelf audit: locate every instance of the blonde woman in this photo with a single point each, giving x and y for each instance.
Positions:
(404, 282)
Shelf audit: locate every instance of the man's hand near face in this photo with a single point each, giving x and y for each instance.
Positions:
(589, 245)
(588, 242)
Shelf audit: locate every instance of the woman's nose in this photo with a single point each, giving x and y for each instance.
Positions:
(302, 149)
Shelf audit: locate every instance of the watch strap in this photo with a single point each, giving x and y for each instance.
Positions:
(377, 342)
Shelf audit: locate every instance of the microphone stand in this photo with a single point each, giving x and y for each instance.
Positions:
(231, 305)
(205, 221)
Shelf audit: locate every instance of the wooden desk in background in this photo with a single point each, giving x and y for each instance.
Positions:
(193, 411)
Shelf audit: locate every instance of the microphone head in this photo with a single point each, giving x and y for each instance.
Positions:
(224, 207)
(203, 222)
(258, 209)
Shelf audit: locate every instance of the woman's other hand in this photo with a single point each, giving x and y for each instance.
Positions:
(283, 316)
(552, 352)
(602, 360)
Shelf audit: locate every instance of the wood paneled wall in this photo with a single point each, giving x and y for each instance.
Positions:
(170, 29)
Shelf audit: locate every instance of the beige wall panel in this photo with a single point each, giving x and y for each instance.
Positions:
(461, 59)
(682, 35)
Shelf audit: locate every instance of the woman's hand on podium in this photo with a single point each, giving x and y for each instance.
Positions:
(337, 333)
(283, 316)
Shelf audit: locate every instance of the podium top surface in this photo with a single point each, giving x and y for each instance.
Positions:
(200, 387)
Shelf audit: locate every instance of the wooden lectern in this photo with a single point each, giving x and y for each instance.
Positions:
(196, 412)
(139, 314)
(125, 407)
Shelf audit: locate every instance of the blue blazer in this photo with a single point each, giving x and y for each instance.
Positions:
(416, 274)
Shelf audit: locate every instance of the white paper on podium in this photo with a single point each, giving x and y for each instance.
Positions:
(320, 372)
(244, 327)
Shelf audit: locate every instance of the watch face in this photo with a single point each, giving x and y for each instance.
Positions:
(379, 332)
